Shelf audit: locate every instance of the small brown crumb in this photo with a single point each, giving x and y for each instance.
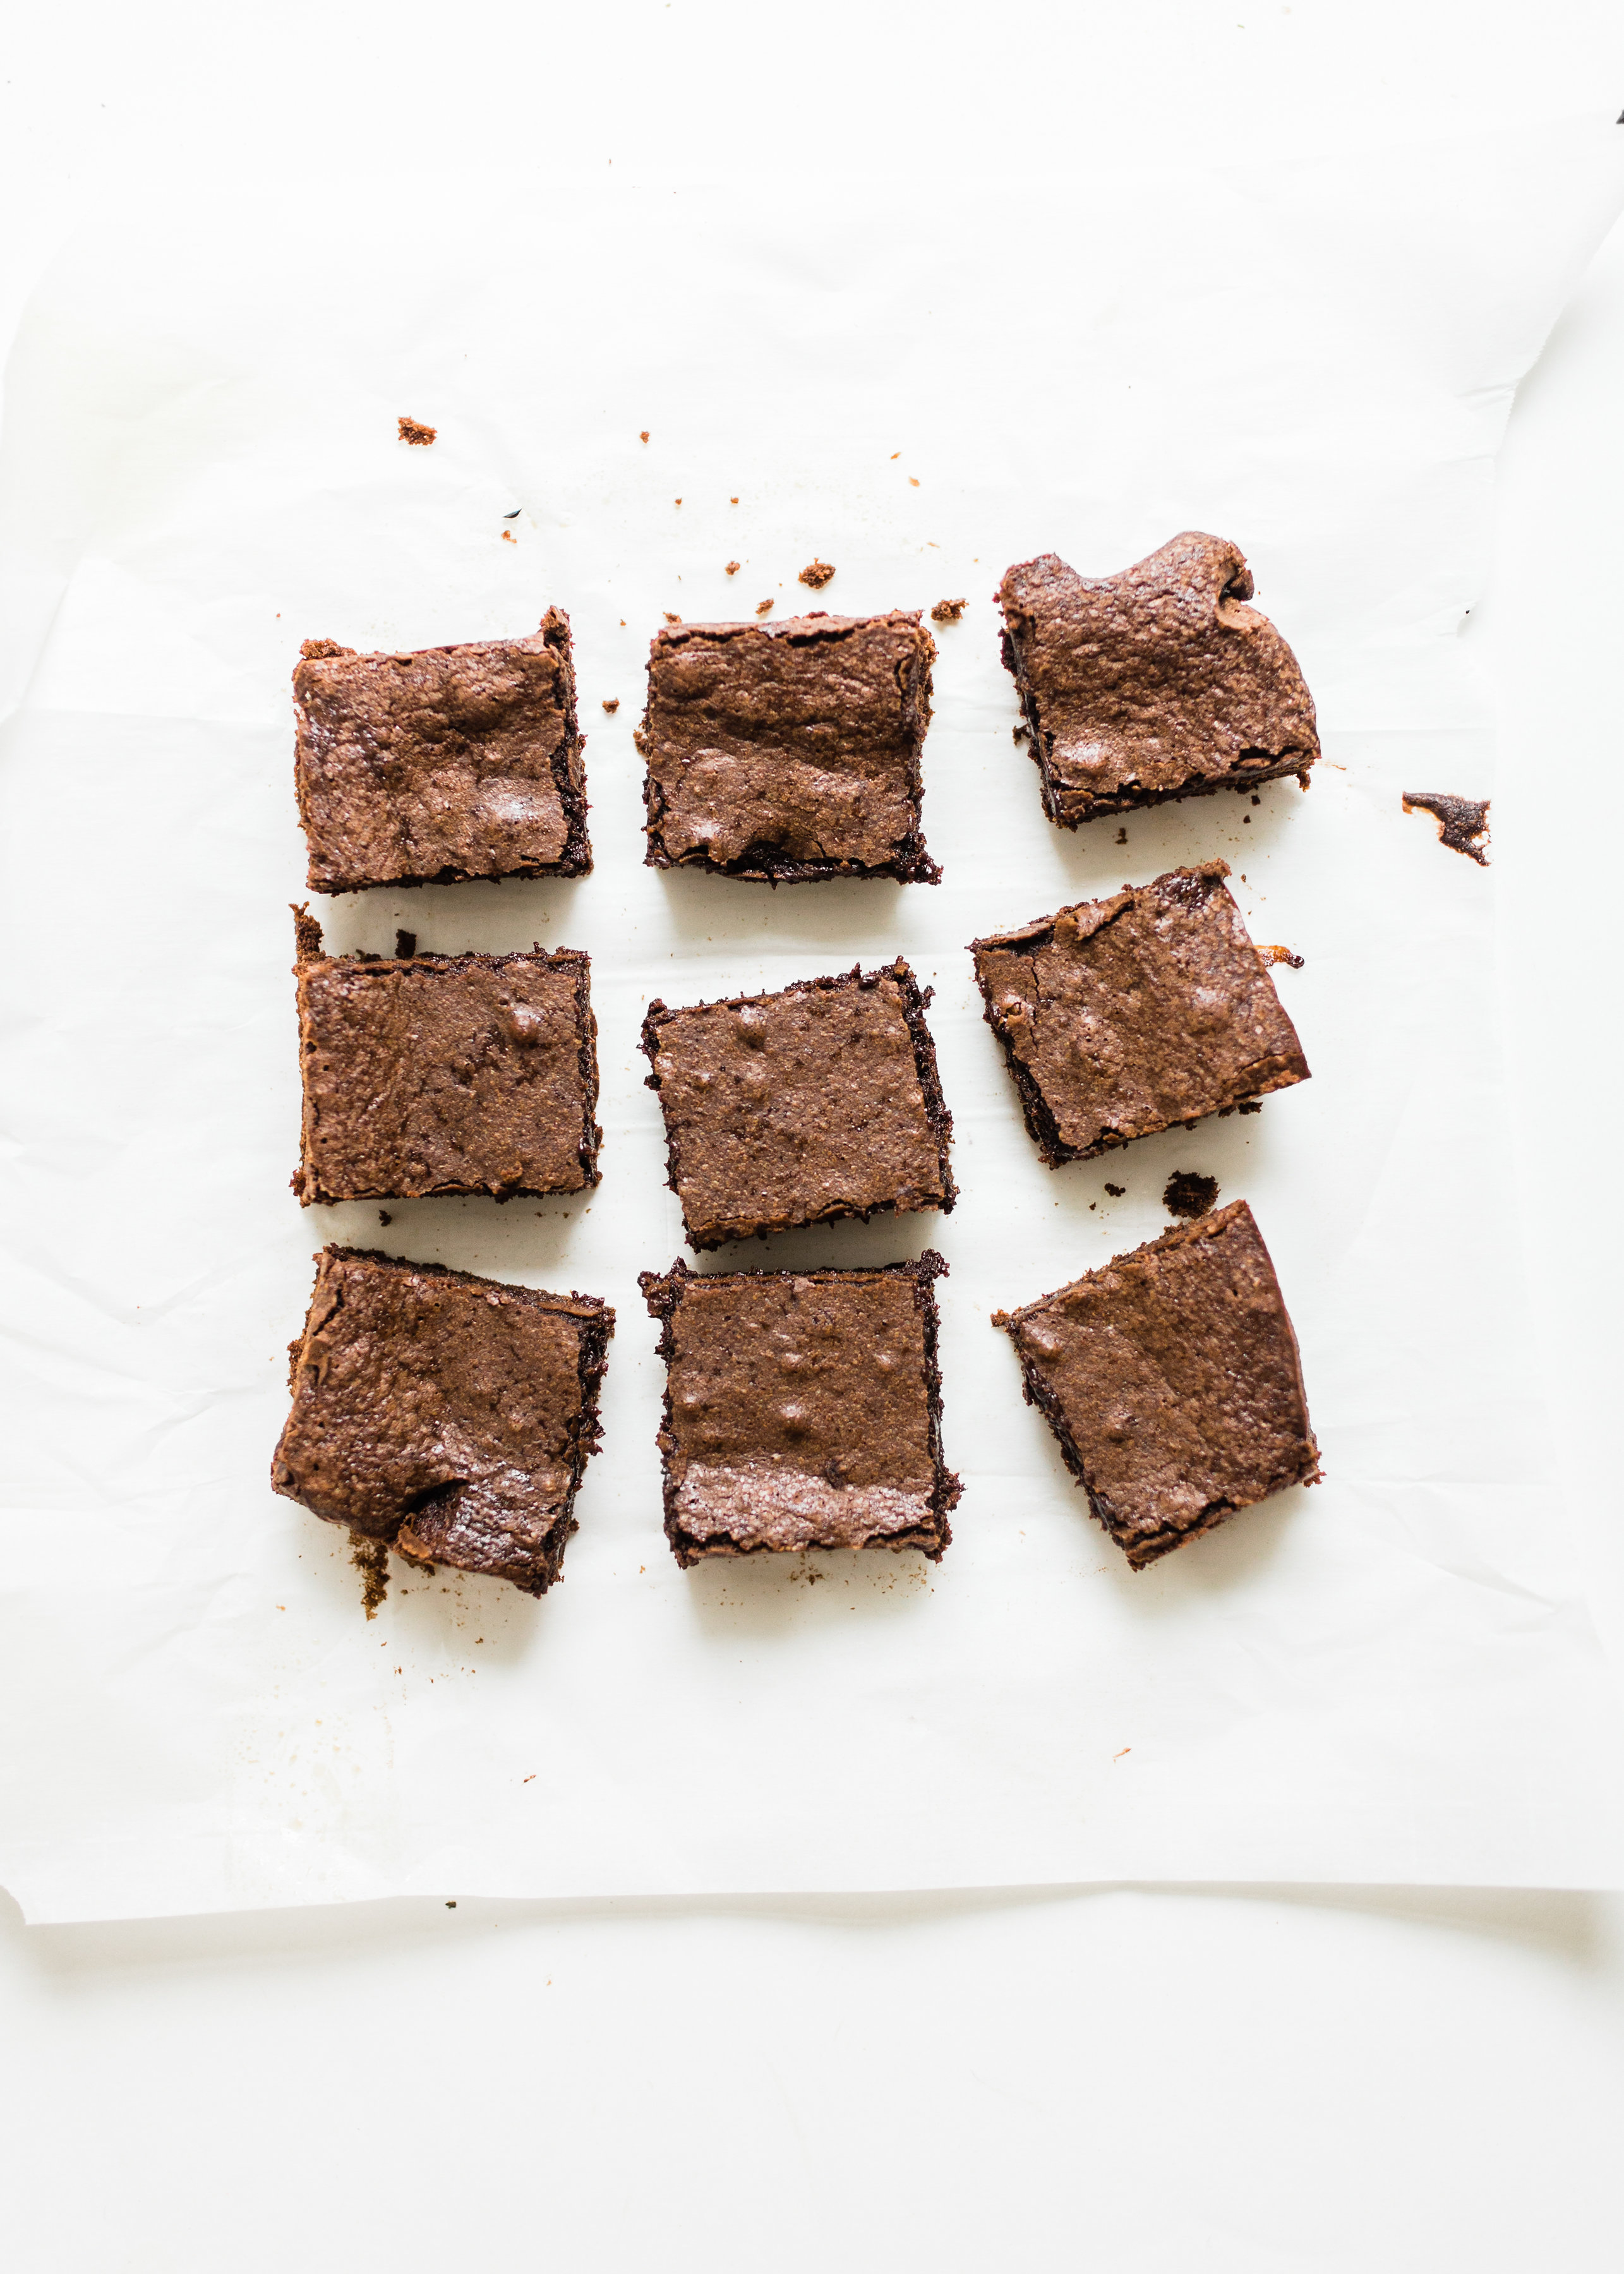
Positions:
(670, 618)
(644, 436)
(763, 608)
(733, 568)
(1463, 822)
(678, 501)
(370, 1558)
(413, 429)
(1189, 1193)
(1279, 955)
(509, 538)
(1017, 734)
(306, 931)
(1249, 1105)
(1246, 821)
(732, 500)
(612, 704)
(1115, 1191)
(948, 612)
(405, 945)
(817, 573)
(1257, 801)
(1122, 837)
(912, 478)
(384, 1216)
(312, 650)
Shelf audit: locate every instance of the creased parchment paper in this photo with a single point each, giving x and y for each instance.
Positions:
(1390, 1677)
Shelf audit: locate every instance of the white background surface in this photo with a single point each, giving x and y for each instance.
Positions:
(1134, 2079)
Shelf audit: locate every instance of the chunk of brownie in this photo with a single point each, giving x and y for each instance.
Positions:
(444, 764)
(800, 1108)
(802, 1410)
(1124, 1016)
(789, 752)
(1154, 684)
(1171, 1379)
(448, 1415)
(444, 1073)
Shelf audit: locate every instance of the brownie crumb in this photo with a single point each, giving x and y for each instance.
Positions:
(1115, 1191)
(1189, 1193)
(405, 946)
(1017, 734)
(1122, 837)
(733, 567)
(948, 612)
(732, 500)
(1249, 1105)
(1279, 955)
(306, 931)
(1463, 822)
(644, 436)
(413, 429)
(509, 538)
(669, 617)
(314, 651)
(612, 704)
(817, 573)
(370, 1558)
(384, 1216)
(763, 608)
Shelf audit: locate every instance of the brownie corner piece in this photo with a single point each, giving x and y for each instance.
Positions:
(1171, 1380)
(1154, 684)
(448, 1416)
(819, 1102)
(442, 764)
(789, 752)
(802, 1410)
(1121, 1017)
(436, 1074)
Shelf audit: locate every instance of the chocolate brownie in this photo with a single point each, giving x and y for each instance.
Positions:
(1157, 683)
(444, 764)
(819, 1102)
(444, 1073)
(1171, 1379)
(1463, 822)
(448, 1415)
(1124, 1016)
(803, 1409)
(789, 752)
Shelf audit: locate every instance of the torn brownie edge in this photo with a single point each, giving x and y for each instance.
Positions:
(595, 1326)
(915, 1000)
(663, 1291)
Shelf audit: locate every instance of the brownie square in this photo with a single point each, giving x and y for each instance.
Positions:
(1121, 1017)
(789, 752)
(803, 1409)
(801, 1108)
(1171, 1379)
(447, 1415)
(1157, 683)
(444, 764)
(444, 1073)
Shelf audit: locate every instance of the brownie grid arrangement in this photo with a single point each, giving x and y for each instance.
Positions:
(450, 1416)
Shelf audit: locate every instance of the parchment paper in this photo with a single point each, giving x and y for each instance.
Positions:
(1390, 1677)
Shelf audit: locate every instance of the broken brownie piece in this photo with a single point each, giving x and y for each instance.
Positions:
(444, 1073)
(789, 752)
(803, 1409)
(799, 1108)
(1171, 1379)
(1124, 1016)
(448, 1415)
(1154, 684)
(444, 764)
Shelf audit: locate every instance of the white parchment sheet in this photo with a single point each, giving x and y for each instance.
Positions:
(1390, 1677)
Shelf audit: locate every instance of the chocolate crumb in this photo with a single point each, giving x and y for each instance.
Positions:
(384, 1216)
(913, 481)
(1279, 955)
(644, 436)
(1189, 1193)
(405, 946)
(1257, 801)
(612, 704)
(671, 619)
(313, 651)
(817, 573)
(370, 1558)
(1017, 734)
(732, 500)
(763, 608)
(1122, 837)
(413, 429)
(1115, 1191)
(1249, 1105)
(1463, 822)
(677, 500)
(733, 567)
(948, 612)
(306, 931)
(509, 538)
